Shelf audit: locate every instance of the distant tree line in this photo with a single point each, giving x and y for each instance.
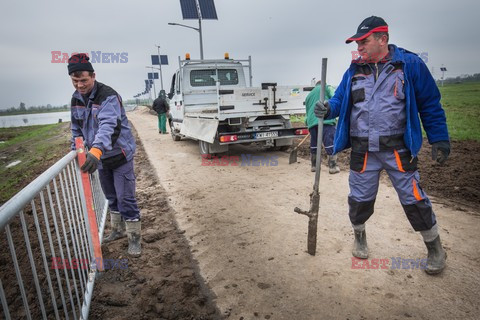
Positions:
(462, 78)
(22, 109)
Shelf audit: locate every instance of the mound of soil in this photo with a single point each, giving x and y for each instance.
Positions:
(457, 181)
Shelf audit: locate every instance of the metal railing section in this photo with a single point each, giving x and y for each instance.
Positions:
(48, 249)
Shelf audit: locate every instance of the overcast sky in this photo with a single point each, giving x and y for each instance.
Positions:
(286, 39)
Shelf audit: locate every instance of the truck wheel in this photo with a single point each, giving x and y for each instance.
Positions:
(175, 137)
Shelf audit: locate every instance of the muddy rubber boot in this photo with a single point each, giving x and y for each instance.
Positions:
(332, 165)
(118, 227)
(436, 257)
(134, 229)
(360, 248)
(313, 159)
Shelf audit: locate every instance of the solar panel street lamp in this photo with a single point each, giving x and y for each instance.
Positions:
(443, 69)
(197, 9)
(199, 29)
(151, 76)
(148, 86)
(159, 60)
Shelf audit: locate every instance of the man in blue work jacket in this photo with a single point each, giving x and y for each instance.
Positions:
(378, 103)
(99, 117)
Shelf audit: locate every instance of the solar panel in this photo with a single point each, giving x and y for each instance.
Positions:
(207, 8)
(153, 75)
(189, 9)
(164, 59)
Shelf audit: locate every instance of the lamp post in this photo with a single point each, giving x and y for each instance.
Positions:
(160, 66)
(443, 69)
(199, 29)
(153, 80)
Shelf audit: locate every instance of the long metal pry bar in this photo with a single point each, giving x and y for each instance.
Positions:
(312, 214)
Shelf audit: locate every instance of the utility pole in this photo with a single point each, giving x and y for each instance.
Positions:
(200, 28)
(160, 66)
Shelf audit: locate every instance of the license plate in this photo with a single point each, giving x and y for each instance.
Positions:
(269, 134)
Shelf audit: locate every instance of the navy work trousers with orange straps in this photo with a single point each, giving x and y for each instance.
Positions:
(365, 168)
(118, 185)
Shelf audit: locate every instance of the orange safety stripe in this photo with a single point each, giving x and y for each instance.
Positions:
(399, 162)
(364, 162)
(415, 191)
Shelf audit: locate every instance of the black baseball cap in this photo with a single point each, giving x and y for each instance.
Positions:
(367, 27)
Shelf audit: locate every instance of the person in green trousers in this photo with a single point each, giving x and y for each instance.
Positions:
(329, 128)
(161, 107)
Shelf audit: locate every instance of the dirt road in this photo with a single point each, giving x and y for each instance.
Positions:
(251, 246)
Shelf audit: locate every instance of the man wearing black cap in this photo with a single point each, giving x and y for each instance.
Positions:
(378, 103)
(99, 117)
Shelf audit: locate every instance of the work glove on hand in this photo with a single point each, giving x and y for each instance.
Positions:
(93, 157)
(440, 151)
(321, 109)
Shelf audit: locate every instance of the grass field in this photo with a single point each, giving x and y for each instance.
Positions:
(462, 107)
(36, 147)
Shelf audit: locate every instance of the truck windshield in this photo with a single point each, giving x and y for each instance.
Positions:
(208, 77)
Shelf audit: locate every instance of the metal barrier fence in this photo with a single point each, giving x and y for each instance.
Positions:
(50, 243)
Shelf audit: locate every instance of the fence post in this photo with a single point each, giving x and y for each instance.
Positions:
(87, 190)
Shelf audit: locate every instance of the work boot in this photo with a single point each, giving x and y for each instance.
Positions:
(117, 225)
(134, 238)
(436, 257)
(360, 249)
(313, 159)
(332, 165)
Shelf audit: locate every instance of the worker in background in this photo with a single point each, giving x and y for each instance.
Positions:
(161, 107)
(329, 127)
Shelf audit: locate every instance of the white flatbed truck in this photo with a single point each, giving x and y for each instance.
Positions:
(211, 102)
